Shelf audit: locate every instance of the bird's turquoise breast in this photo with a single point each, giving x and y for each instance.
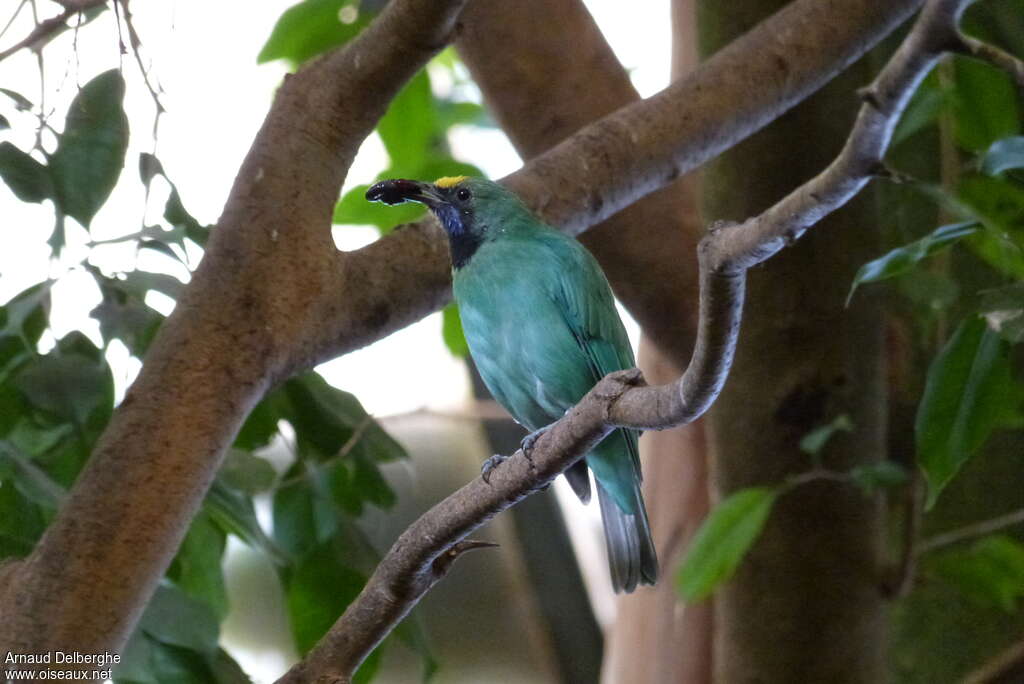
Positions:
(517, 332)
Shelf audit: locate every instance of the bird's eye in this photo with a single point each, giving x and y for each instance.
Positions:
(462, 194)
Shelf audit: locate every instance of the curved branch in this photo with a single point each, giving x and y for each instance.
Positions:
(611, 163)
(540, 89)
(619, 400)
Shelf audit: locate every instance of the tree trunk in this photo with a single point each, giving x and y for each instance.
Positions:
(656, 638)
(805, 605)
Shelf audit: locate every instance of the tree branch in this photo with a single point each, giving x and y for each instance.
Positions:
(241, 325)
(539, 88)
(994, 56)
(620, 400)
(609, 164)
(45, 29)
(972, 531)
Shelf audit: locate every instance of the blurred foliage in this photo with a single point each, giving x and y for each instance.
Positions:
(57, 395)
(959, 288)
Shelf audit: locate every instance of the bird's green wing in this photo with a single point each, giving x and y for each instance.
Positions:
(585, 299)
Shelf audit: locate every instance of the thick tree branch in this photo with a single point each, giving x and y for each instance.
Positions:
(608, 165)
(241, 325)
(540, 88)
(404, 574)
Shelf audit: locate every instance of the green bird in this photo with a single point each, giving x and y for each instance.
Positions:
(541, 324)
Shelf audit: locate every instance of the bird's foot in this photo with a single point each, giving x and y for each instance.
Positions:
(529, 440)
(489, 465)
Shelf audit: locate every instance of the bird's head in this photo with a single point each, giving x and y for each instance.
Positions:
(471, 210)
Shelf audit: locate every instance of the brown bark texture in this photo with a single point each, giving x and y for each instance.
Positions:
(243, 323)
(424, 553)
(541, 87)
(805, 604)
(657, 638)
(273, 296)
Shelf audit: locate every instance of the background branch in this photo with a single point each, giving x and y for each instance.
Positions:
(240, 325)
(47, 28)
(610, 164)
(405, 573)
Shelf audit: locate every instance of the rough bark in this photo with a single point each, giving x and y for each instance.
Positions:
(243, 323)
(541, 88)
(621, 158)
(272, 296)
(424, 553)
(656, 638)
(805, 605)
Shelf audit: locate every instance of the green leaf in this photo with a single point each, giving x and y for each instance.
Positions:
(28, 179)
(72, 383)
(871, 477)
(368, 481)
(998, 204)
(451, 329)
(174, 618)
(149, 168)
(985, 104)
(1003, 310)
(30, 479)
(966, 394)
(313, 27)
(21, 521)
(21, 103)
(723, 539)
(234, 513)
(815, 440)
(923, 109)
(319, 589)
(902, 259)
(991, 572)
(90, 153)
(1003, 155)
(455, 113)
(25, 316)
(303, 516)
(247, 473)
(325, 418)
(124, 315)
(196, 568)
(260, 426)
(409, 127)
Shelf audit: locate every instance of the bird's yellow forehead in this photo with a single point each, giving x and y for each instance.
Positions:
(449, 181)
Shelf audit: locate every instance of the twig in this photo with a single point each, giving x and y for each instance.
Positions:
(10, 22)
(978, 529)
(901, 579)
(46, 28)
(621, 399)
(1006, 668)
(136, 43)
(344, 451)
(995, 56)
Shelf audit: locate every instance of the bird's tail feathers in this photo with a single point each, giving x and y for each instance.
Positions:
(631, 554)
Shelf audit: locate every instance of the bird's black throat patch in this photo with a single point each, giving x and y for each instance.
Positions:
(463, 239)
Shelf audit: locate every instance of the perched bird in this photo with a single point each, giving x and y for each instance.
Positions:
(541, 324)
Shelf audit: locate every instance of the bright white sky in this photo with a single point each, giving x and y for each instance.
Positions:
(204, 56)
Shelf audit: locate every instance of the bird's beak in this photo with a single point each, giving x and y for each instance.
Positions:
(398, 190)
